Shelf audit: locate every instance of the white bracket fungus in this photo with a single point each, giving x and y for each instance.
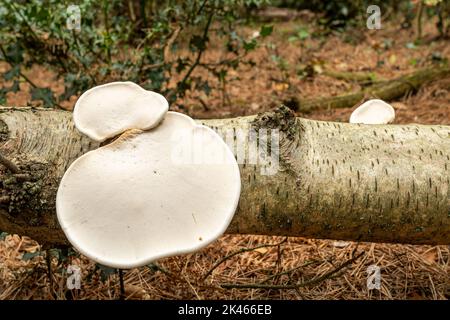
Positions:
(108, 110)
(148, 194)
(374, 111)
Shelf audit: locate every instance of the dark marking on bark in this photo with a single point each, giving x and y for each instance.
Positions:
(4, 132)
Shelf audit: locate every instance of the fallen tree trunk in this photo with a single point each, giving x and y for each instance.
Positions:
(363, 78)
(382, 183)
(387, 91)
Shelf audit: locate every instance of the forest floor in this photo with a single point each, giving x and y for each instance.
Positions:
(407, 271)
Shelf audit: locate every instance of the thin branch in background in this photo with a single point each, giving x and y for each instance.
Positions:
(131, 10)
(142, 5)
(218, 263)
(419, 20)
(35, 36)
(287, 272)
(24, 20)
(122, 286)
(106, 22)
(48, 260)
(166, 51)
(13, 65)
(203, 103)
(197, 60)
(222, 62)
(85, 67)
(201, 7)
(170, 42)
(277, 265)
(21, 74)
(311, 282)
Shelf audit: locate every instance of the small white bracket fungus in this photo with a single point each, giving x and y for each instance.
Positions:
(145, 196)
(374, 111)
(108, 110)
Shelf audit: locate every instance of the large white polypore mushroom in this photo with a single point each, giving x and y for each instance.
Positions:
(374, 111)
(148, 194)
(108, 110)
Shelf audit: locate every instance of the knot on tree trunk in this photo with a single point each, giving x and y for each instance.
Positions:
(281, 118)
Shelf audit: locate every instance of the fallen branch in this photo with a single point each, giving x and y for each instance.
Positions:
(281, 14)
(311, 282)
(287, 272)
(378, 183)
(387, 91)
(218, 263)
(363, 78)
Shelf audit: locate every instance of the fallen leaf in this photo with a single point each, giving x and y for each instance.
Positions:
(430, 256)
(392, 59)
(280, 86)
(254, 106)
(133, 292)
(317, 69)
(341, 244)
(399, 106)
(262, 250)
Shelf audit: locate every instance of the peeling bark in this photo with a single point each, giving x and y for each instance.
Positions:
(381, 183)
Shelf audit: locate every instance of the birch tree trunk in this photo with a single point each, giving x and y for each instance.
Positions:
(381, 183)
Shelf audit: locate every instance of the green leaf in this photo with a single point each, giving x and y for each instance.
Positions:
(55, 252)
(30, 255)
(3, 235)
(15, 86)
(14, 53)
(105, 272)
(248, 46)
(44, 94)
(3, 96)
(204, 86)
(153, 267)
(198, 42)
(12, 73)
(3, 91)
(266, 30)
(303, 34)
(413, 61)
(181, 65)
